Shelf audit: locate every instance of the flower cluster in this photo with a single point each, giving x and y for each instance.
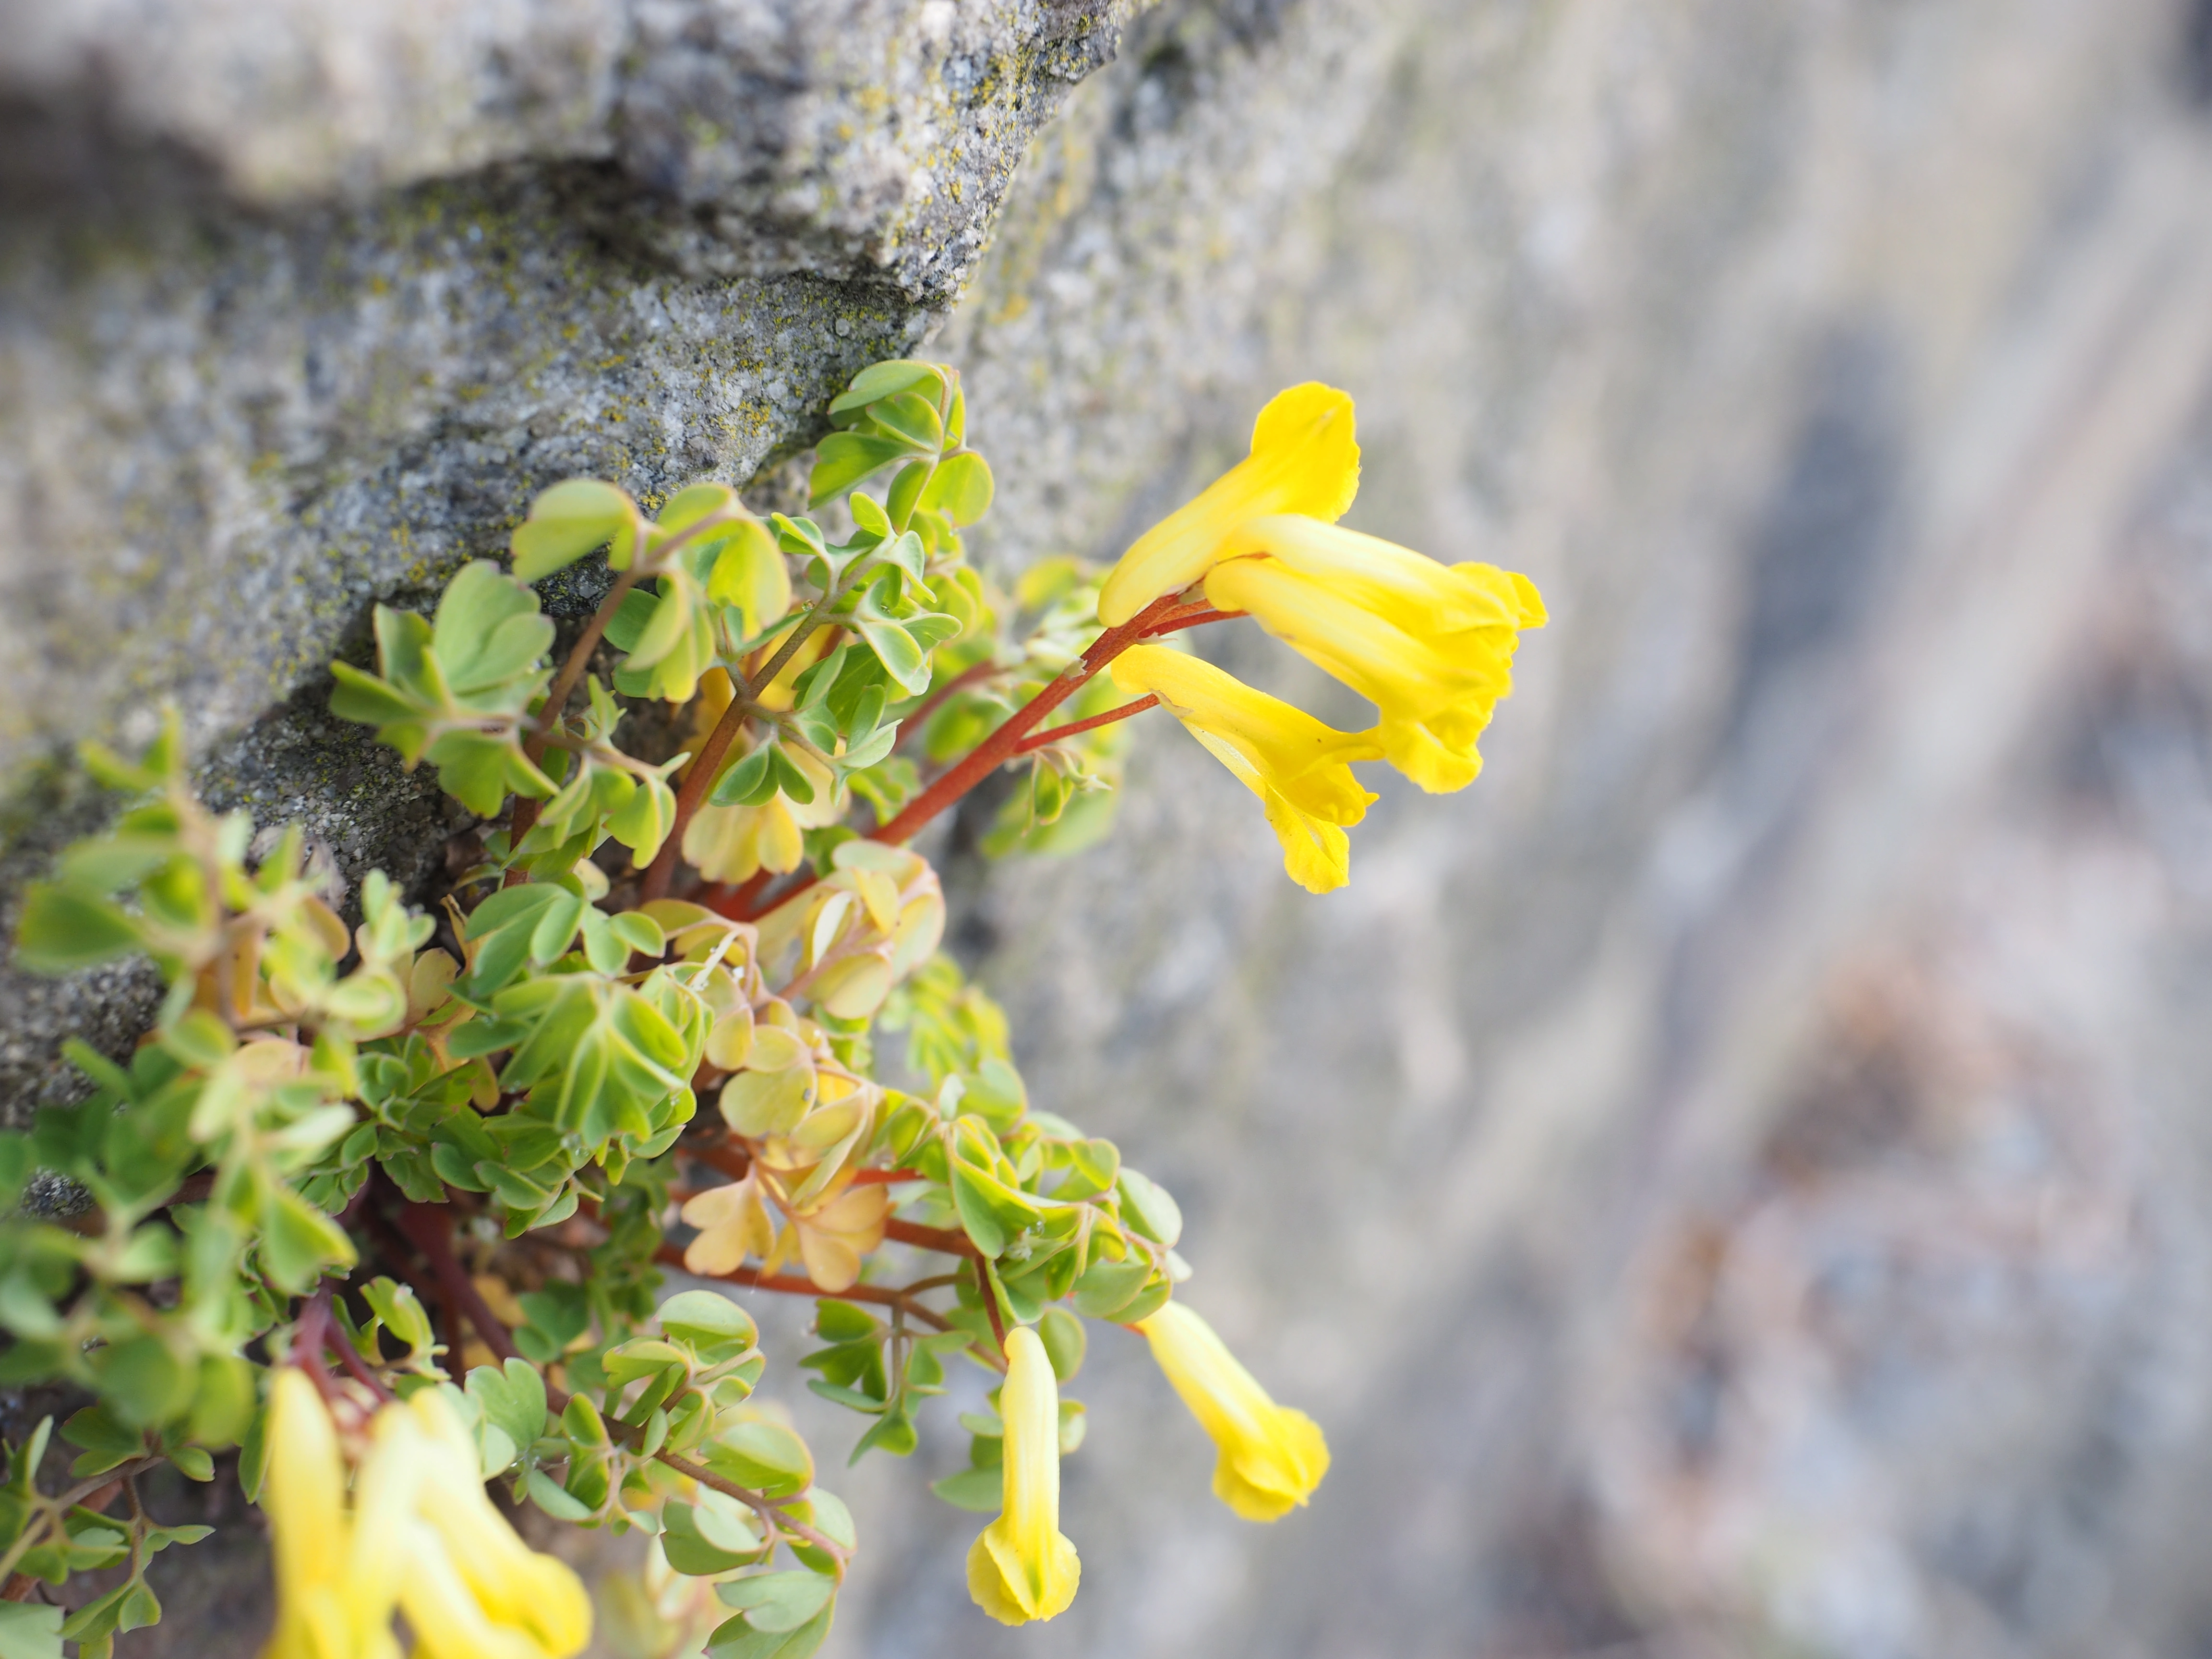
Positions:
(420, 1537)
(1430, 645)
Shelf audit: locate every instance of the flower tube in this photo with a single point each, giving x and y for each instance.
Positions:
(1271, 1457)
(1298, 767)
(1022, 1566)
(1304, 459)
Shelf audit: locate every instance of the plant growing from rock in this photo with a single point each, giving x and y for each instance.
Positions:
(393, 1209)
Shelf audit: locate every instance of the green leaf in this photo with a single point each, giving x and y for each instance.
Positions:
(764, 1455)
(888, 380)
(143, 1381)
(547, 1494)
(28, 1631)
(778, 1600)
(514, 1402)
(978, 1490)
(533, 923)
(845, 459)
(977, 1217)
(961, 489)
(1061, 1333)
(689, 1549)
(712, 1325)
(488, 634)
(193, 1463)
(571, 519)
(736, 1639)
(1146, 1207)
(910, 416)
(751, 782)
(61, 931)
(105, 1438)
(1110, 1286)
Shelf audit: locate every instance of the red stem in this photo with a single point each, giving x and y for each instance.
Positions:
(1001, 745)
(1195, 616)
(941, 1239)
(791, 1285)
(1039, 739)
(429, 1229)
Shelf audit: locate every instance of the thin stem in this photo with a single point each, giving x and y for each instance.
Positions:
(943, 1240)
(1193, 617)
(429, 1229)
(709, 760)
(1037, 740)
(357, 1367)
(1001, 745)
(990, 1302)
(791, 1285)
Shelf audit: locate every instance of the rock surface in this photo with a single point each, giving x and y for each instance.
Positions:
(1732, 1180)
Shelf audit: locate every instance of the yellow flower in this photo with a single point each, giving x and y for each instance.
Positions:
(1295, 765)
(473, 1589)
(1023, 1567)
(1430, 645)
(1304, 459)
(327, 1607)
(1272, 1457)
(422, 1535)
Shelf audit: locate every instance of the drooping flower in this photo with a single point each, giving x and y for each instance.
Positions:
(331, 1604)
(1297, 766)
(1304, 459)
(1430, 645)
(473, 1589)
(1022, 1567)
(421, 1536)
(1271, 1457)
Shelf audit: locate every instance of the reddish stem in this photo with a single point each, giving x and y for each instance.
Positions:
(1196, 616)
(791, 1285)
(696, 782)
(734, 901)
(1000, 746)
(1039, 739)
(943, 1240)
(429, 1229)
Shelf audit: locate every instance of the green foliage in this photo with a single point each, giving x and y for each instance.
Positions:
(319, 1108)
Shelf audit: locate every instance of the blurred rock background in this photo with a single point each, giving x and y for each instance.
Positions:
(1734, 1179)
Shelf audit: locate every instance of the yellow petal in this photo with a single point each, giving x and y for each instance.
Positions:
(1436, 690)
(1304, 459)
(1023, 1567)
(1298, 767)
(1271, 1458)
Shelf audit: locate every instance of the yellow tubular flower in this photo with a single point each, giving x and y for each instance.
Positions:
(1295, 764)
(1023, 1567)
(475, 1590)
(322, 1611)
(422, 1536)
(1304, 459)
(1272, 1457)
(1430, 645)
